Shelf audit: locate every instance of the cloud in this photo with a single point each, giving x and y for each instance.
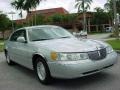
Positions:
(6, 7)
(54, 3)
(98, 3)
(67, 4)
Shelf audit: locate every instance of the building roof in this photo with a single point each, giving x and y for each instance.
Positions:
(19, 21)
(48, 12)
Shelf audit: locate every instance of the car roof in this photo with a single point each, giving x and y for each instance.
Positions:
(40, 26)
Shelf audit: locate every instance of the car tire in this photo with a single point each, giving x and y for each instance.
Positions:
(42, 71)
(9, 62)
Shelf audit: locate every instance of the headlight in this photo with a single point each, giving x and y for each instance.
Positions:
(73, 56)
(109, 49)
(68, 56)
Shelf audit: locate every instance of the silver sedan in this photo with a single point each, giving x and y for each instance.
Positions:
(52, 51)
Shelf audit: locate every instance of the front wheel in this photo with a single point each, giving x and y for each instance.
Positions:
(42, 71)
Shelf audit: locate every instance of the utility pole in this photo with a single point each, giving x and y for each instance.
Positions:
(116, 23)
(12, 13)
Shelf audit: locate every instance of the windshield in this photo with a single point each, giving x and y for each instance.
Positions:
(47, 33)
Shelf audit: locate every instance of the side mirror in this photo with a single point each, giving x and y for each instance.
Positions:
(21, 39)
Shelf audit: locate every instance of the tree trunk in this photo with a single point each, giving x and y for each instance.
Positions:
(84, 21)
(116, 28)
(74, 27)
(28, 18)
(35, 16)
(89, 29)
(84, 17)
(97, 28)
(116, 31)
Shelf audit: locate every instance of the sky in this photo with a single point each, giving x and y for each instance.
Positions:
(67, 4)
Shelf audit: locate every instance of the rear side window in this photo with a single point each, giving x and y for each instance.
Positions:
(18, 34)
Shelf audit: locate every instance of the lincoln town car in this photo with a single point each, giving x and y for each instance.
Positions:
(51, 51)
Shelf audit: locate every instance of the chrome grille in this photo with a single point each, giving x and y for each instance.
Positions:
(98, 54)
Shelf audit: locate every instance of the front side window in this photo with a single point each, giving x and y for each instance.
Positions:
(20, 33)
(46, 33)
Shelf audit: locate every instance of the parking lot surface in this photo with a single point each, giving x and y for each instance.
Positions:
(19, 78)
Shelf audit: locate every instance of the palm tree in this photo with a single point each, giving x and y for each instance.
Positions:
(83, 6)
(18, 4)
(112, 6)
(30, 4)
(109, 9)
(26, 5)
(99, 9)
(107, 6)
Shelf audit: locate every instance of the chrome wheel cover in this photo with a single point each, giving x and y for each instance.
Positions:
(41, 71)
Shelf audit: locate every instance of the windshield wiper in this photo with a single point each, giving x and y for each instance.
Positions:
(65, 37)
(41, 39)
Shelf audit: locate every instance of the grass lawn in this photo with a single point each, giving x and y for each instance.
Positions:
(115, 44)
(1, 45)
(1, 48)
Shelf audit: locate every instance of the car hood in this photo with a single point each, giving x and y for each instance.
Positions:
(72, 45)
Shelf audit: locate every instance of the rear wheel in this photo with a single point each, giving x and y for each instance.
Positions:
(42, 71)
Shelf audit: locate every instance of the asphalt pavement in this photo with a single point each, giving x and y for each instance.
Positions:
(19, 78)
(101, 37)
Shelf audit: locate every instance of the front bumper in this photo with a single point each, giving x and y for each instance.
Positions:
(75, 69)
